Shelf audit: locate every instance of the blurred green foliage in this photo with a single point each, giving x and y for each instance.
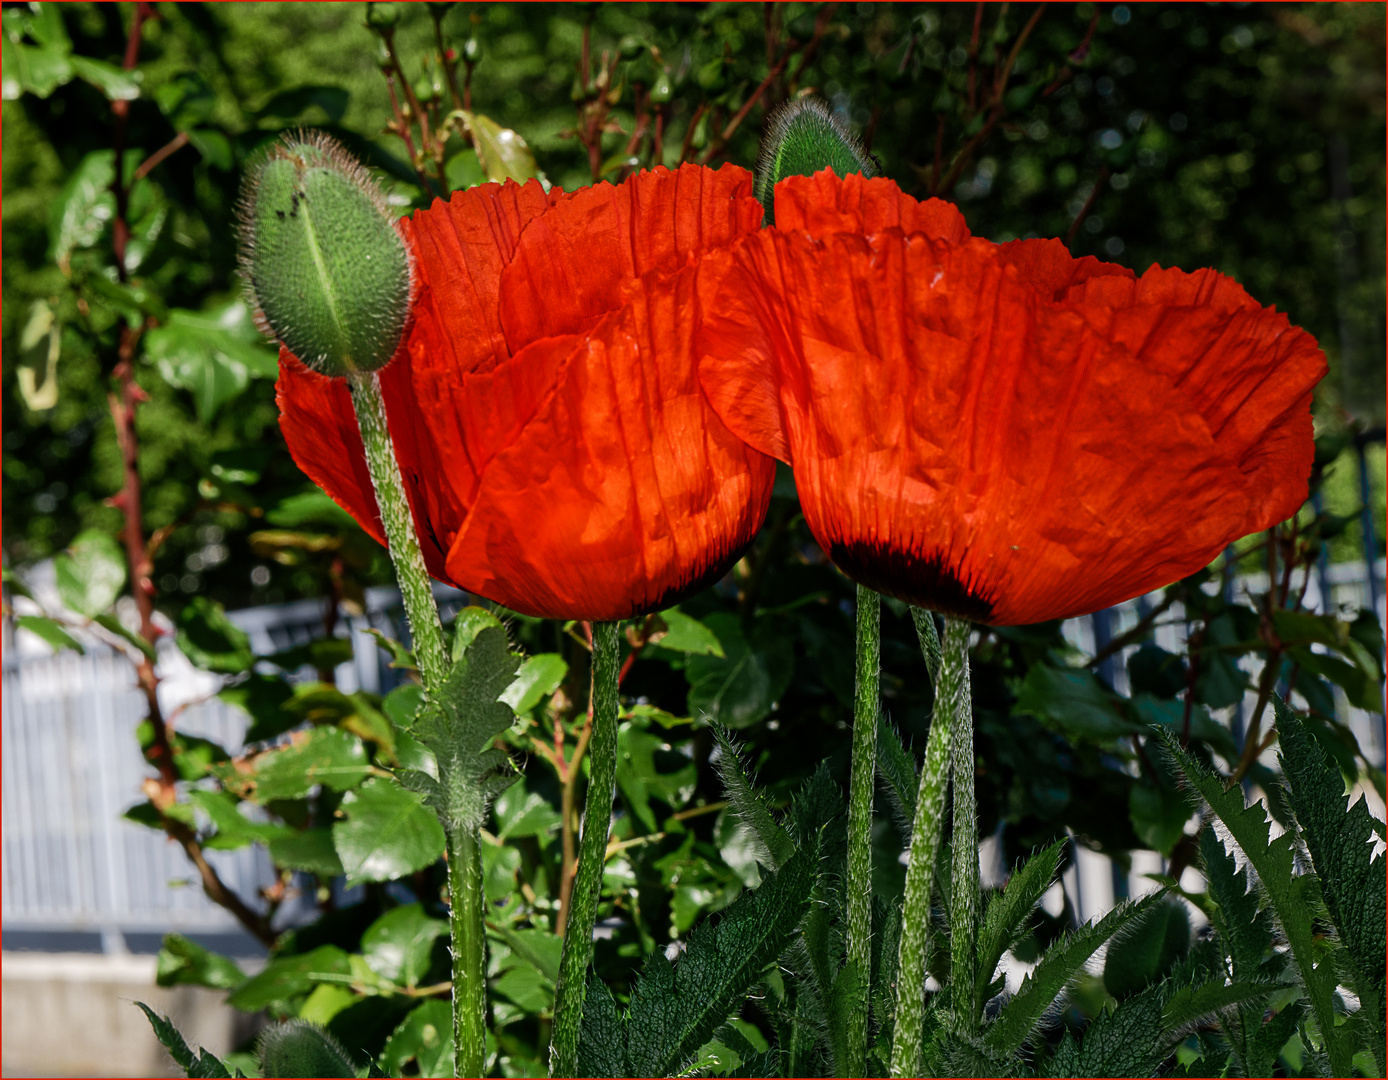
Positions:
(1245, 137)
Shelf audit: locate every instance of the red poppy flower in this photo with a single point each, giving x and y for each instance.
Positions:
(558, 452)
(1000, 431)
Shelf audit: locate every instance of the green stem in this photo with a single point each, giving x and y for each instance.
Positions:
(860, 785)
(963, 905)
(469, 955)
(426, 633)
(592, 853)
(908, 1035)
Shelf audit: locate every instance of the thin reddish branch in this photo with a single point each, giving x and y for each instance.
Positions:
(741, 114)
(1099, 182)
(169, 148)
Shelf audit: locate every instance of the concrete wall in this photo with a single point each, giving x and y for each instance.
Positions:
(73, 1014)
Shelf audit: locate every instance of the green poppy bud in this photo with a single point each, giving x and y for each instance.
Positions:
(298, 1048)
(329, 275)
(802, 137)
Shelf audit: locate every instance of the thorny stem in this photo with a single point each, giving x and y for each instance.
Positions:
(907, 1038)
(597, 822)
(861, 777)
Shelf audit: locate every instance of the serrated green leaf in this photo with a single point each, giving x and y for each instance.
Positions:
(204, 1065)
(896, 768)
(50, 631)
(388, 833)
(1188, 1005)
(676, 1008)
(1147, 950)
(1294, 897)
(325, 756)
(1060, 963)
(1341, 847)
(602, 1035)
(520, 812)
(90, 573)
(1009, 911)
(771, 844)
(459, 725)
(1126, 1042)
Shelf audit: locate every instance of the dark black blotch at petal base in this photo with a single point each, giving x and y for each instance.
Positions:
(924, 580)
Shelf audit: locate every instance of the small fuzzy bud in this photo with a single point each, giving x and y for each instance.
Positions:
(298, 1048)
(329, 275)
(802, 137)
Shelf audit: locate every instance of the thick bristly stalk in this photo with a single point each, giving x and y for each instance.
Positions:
(907, 1037)
(592, 853)
(861, 778)
(469, 953)
(963, 905)
(426, 633)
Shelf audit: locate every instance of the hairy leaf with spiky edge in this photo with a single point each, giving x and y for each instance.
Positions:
(1189, 1005)
(204, 1064)
(886, 940)
(771, 844)
(1126, 1042)
(1294, 897)
(896, 768)
(1005, 920)
(675, 1008)
(1245, 933)
(459, 723)
(602, 1032)
(1061, 962)
(815, 805)
(765, 1064)
(1339, 843)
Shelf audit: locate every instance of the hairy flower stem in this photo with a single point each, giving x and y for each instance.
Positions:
(592, 854)
(425, 630)
(963, 905)
(860, 784)
(469, 953)
(464, 858)
(907, 1038)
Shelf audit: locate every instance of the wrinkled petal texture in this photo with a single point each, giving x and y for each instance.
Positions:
(1002, 432)
(558, 450)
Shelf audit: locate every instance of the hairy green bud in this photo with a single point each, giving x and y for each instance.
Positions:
(801, 137)
(329, 274)
(298, 1048)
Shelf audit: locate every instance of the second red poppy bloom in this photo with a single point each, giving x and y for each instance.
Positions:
(999, 431)
(559, 454)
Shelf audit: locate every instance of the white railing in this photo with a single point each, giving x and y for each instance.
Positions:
(71, 767)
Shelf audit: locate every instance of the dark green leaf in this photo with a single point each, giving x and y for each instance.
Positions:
(685, 634)
(83, 207)
(424, 1036)
(520, 812)
(311, 850)
(90, 573)
(1073, 702)
(896, 768)
(287, 977)
(1147, 949)
(738, 688)
(264, 697)
(602, 1035)
(204, 1064)
(389, 833)
(398, 946)
(292, 104)
(538, 677)
(183, 961)
(212, 641)
(649, 768)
